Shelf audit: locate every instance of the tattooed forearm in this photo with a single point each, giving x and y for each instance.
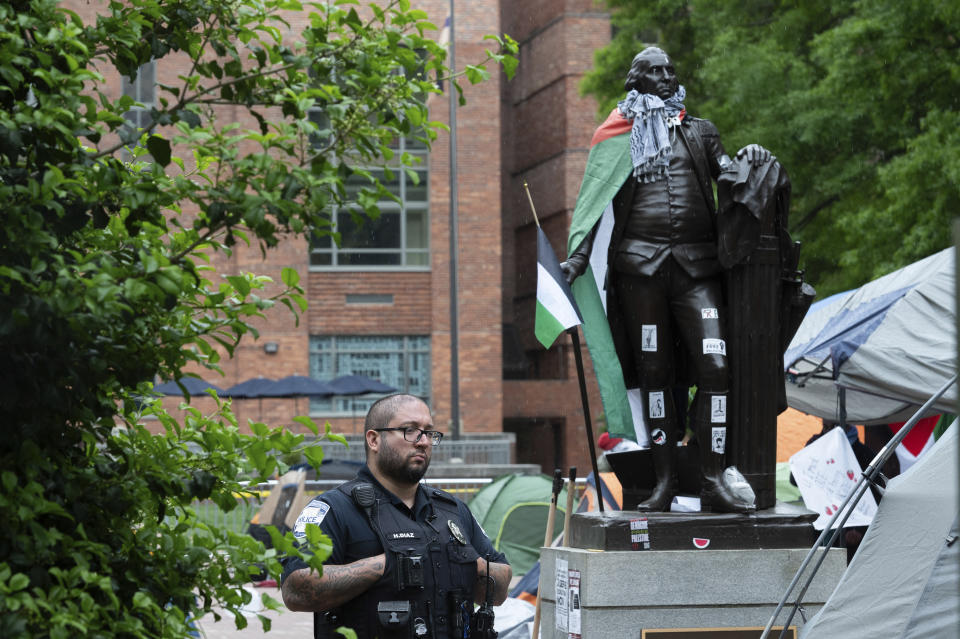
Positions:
(500, 575)
(305, 591)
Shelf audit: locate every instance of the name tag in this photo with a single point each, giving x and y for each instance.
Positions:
(403, 535)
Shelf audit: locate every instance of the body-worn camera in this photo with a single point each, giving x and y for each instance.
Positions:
(409, 571)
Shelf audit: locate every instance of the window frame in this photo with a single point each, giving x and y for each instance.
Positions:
(388, 207)
(144, 91)
(409, 347)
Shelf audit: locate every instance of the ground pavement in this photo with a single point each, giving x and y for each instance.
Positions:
(285, 624)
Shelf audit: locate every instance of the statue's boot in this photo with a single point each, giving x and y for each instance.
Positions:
(710, 423)
(663, 449)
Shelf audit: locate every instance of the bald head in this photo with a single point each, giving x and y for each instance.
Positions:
(384, 409)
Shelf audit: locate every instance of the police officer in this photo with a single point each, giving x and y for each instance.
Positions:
(408, 560)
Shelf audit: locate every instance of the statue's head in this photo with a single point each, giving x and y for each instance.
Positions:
(652, 72)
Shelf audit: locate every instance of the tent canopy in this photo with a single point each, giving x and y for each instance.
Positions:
(889, 344)
(513, 510)
(902, 583)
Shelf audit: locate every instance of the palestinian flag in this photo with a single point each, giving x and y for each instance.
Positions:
(608, 167)
(556, 310)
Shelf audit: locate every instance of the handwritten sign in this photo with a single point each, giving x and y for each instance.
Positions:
(826, 472)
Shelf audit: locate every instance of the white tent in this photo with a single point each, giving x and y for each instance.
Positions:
(904, 581)
(890, 344)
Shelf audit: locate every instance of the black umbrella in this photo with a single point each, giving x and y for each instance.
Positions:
(289, 386)
(256, 387)
(192, 386)
(299, 385)
(358, 385)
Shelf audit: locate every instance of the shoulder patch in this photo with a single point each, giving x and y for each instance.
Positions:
(314, 513)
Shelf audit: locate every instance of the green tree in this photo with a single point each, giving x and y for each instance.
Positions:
(855, 99)
(106, 283)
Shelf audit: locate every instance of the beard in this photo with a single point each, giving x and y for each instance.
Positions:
(400, 467)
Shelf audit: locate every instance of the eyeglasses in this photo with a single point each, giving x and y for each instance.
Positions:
(413, 435)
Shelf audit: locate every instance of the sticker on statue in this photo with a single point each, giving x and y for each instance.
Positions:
(718, 409)
(656, 405)
(718, 439)
(648, 333)
(714, 347)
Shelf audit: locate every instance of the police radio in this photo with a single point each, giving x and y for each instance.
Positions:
(482, 626)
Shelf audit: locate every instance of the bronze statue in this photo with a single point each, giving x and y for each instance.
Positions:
(663, 277)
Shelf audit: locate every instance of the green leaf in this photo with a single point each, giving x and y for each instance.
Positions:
(9, 481)
(240, 284)
(314, 455)
(160, 149)
(19, 581)
(307, 423)
(290, 277)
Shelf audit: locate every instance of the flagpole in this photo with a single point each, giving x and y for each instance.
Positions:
(532, 207)
(575, 336)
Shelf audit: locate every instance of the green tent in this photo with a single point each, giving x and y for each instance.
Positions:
(513, 510)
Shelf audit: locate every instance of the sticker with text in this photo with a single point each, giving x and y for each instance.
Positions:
(640, 534)
(659, 437)
(712, 346)
(562, 589)
(573, 621)
(718, 409)
(709, 313)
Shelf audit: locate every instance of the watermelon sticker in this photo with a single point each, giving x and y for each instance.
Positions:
(700, 542)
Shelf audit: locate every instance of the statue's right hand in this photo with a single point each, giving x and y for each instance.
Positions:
(570, 270)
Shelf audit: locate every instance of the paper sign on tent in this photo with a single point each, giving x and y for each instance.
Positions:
(826, 472)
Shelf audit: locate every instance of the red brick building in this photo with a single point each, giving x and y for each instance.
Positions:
(380, 303)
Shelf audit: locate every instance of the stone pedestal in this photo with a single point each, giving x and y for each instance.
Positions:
(624, 592)
(700, 571)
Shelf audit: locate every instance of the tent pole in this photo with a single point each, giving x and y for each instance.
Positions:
(842, 397)
(867, 477)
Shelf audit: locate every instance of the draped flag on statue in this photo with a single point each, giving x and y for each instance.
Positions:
(556, 310)
(608, 167)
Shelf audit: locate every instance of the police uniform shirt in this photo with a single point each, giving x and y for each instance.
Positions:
(350, 532)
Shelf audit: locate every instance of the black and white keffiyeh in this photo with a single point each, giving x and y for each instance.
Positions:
(650, 147)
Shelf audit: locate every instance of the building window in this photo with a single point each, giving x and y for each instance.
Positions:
(144, 90)
(402, 362)
(399, 238)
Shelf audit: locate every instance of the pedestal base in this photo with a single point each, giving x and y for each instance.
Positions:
(784, 526)
(624, 592)
(684, 570)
